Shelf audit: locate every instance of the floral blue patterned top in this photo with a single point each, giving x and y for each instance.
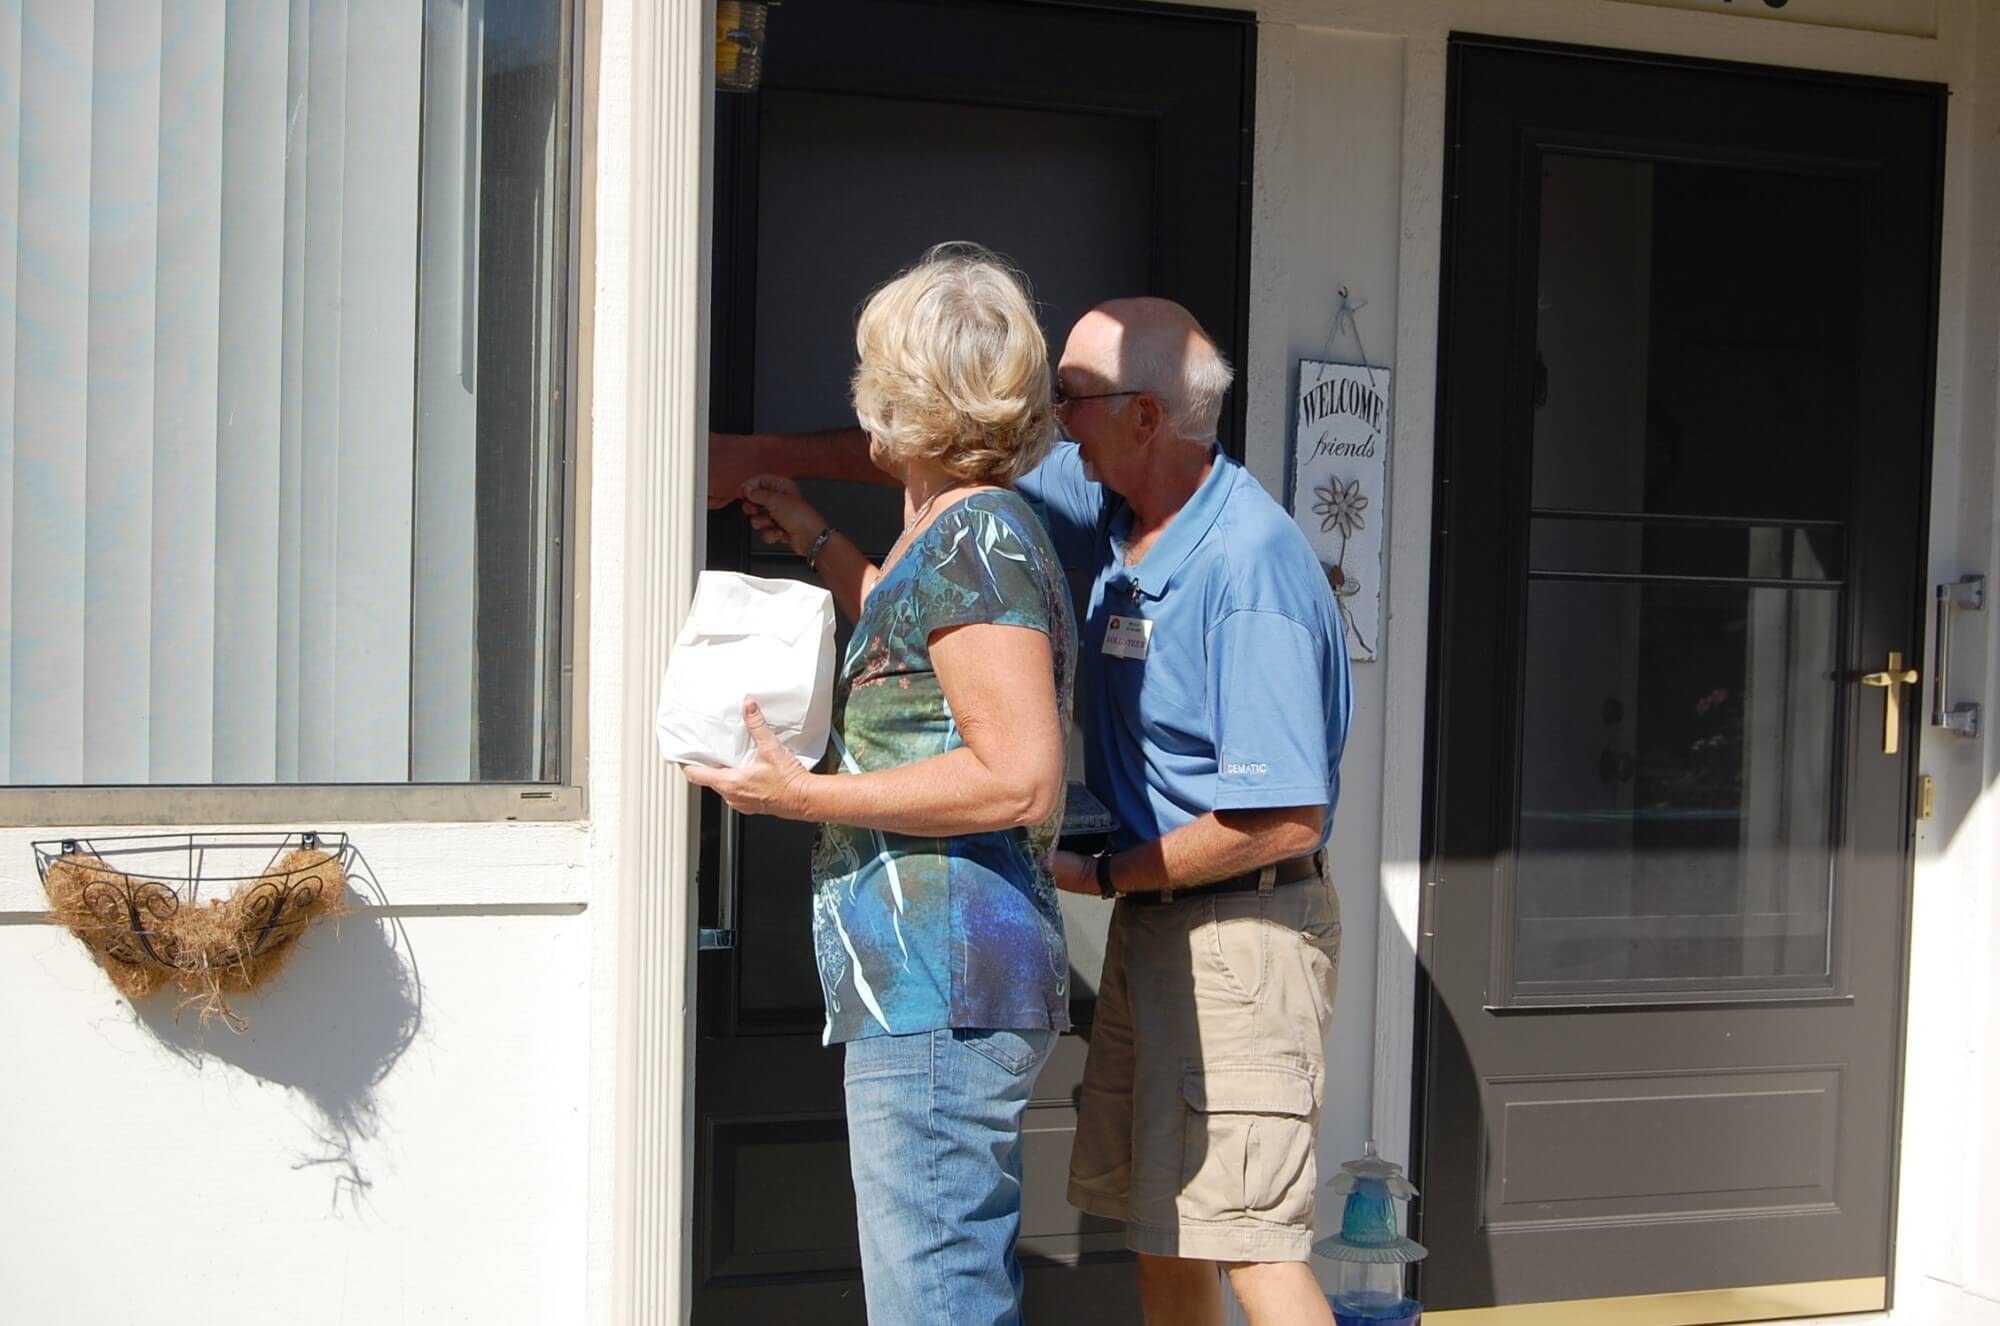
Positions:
(916, 934)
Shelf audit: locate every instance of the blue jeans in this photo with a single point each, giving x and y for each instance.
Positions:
(934, 1129)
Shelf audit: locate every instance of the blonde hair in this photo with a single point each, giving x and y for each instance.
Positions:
(952, 367)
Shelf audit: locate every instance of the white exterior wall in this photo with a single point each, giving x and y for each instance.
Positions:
(274, 1177)
(365, 1156)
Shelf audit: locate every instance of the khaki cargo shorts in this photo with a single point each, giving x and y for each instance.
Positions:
(1201, 1095)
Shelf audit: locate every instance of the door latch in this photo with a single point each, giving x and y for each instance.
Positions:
(1891, 682)
(709, 938)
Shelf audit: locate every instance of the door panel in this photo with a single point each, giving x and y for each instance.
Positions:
(1685, 421)
(882, 128)
(1566, 1145)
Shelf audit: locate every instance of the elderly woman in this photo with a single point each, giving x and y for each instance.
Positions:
(940, 946)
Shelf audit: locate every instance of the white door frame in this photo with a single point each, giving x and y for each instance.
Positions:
(664, 457)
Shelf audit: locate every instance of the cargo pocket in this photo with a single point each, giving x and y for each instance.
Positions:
(1249, 1141)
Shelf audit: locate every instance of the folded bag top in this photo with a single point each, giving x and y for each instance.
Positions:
(745, 636)
(789, 611)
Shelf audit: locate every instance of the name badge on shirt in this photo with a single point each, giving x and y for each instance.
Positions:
(1127, 637)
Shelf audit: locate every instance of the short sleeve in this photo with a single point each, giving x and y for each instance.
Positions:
(1071, 505)
(1269, 701)
(984, 573)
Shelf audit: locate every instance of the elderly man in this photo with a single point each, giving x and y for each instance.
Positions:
(1219, 701)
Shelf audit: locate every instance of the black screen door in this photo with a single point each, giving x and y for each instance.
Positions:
(1686, 371)
(1106, 151)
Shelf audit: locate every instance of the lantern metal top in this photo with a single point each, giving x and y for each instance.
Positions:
(1368, 1220)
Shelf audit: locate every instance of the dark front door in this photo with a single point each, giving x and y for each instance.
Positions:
(1106, 152)
(1686, 419)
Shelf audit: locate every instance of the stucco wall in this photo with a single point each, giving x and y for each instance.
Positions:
(399, 1136)
(1328, 189)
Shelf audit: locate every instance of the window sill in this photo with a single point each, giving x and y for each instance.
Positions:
(298, 806)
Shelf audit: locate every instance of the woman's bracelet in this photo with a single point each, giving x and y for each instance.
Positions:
(812, 558)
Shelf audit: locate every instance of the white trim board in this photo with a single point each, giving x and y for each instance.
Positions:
(1407, 634)
(1915, 18)
(413, 865)
(662, 516)
(1623, 25)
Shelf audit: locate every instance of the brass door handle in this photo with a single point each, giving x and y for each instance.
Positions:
(1891, 680)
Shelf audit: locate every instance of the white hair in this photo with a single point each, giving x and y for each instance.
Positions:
(1188, 373)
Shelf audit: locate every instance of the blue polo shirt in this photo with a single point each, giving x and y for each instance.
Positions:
(1243, 698)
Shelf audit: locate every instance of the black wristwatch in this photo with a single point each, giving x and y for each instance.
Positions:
(1105, 888)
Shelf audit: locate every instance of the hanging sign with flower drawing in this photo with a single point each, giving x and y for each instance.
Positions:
(1341, 456)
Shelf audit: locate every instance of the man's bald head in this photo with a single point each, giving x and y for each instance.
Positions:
(1156, 346)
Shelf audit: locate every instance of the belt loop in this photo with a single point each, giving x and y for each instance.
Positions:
(1167, 892)
(1267, 879)
(1319, 863)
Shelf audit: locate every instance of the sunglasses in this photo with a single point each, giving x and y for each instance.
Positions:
(1060, 398)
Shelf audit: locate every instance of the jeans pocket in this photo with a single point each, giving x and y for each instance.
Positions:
(874, 1057)
(1014, 1051)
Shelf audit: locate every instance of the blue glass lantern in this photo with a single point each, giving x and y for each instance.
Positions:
(1368, 1255)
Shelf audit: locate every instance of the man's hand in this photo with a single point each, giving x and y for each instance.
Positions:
(773, 783)
(733, 460)
(1074, 872)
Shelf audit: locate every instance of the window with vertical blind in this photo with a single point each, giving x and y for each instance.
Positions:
(284, 329)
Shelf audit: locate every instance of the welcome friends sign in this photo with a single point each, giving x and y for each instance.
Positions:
(1341, 456)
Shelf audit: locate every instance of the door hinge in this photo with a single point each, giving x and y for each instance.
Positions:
(1926, 796)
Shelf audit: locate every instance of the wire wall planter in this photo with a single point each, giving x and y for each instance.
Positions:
(137, 902)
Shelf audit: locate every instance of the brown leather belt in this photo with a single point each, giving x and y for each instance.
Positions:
(1295, 871)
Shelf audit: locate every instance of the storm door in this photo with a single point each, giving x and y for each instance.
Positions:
(1686, 372)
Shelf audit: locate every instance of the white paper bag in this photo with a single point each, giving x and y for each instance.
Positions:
(769, 640)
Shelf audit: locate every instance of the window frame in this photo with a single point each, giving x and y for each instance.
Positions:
(561, 799)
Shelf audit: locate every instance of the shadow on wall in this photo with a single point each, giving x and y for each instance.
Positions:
(339, 1016)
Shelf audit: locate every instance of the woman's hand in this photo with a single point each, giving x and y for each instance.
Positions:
(780, 514)
(773, 783)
